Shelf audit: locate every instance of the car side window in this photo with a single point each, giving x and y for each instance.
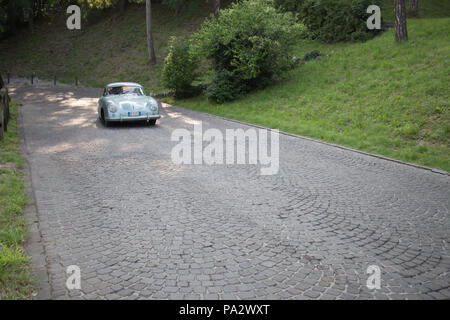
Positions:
(104, 92)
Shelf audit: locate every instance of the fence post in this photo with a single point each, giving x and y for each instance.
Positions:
(8, 76)
(76, 81)
(54, 80)
(32, 78)
(4, 109)
(2, 112)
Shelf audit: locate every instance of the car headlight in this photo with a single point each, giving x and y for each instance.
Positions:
(152, 106)
(112, 108)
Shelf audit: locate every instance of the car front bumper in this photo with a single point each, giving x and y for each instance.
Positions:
(145, 116)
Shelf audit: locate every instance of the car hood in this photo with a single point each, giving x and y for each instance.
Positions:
(130, 101)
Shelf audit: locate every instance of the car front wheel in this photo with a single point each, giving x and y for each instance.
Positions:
(103, 119)
(152, 122)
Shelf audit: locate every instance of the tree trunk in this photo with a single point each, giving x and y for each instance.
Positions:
(151, 49)
(401, 32)
(414, 8)
(216, 7)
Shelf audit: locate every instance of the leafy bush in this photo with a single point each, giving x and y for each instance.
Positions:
(179, 69)
(223, 87)
(249, 44)
(289, 5)
(334, 21)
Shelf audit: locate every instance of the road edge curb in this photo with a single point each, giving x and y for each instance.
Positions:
(433, 170)
(34, 246)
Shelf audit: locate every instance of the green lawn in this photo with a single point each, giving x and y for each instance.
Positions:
(15, 276)
(379, 96)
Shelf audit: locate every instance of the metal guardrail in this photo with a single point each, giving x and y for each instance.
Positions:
(32, 78)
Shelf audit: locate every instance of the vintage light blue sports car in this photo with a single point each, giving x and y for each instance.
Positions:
(126, 101)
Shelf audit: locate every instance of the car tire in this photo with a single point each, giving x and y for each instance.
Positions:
(151, 122)
(103, 119)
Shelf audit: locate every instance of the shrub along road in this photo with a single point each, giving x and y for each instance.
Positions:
(111, 201)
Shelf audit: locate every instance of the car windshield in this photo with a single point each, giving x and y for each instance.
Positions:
(125, 90)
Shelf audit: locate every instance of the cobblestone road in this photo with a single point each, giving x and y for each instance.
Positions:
(111, 201)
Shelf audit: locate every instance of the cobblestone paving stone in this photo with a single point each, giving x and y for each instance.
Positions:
(111, 201)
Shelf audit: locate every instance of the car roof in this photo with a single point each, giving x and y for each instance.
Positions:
(118, 84)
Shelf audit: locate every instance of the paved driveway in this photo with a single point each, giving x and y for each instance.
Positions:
(111, 201)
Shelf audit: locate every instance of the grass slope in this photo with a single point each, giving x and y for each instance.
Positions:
(15, 276)
(107, 49)
(379, 96)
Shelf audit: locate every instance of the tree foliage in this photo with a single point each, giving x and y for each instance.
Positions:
(15, 13)
(334, 21)
(180, 68)
(289, 5)
(249, 43)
